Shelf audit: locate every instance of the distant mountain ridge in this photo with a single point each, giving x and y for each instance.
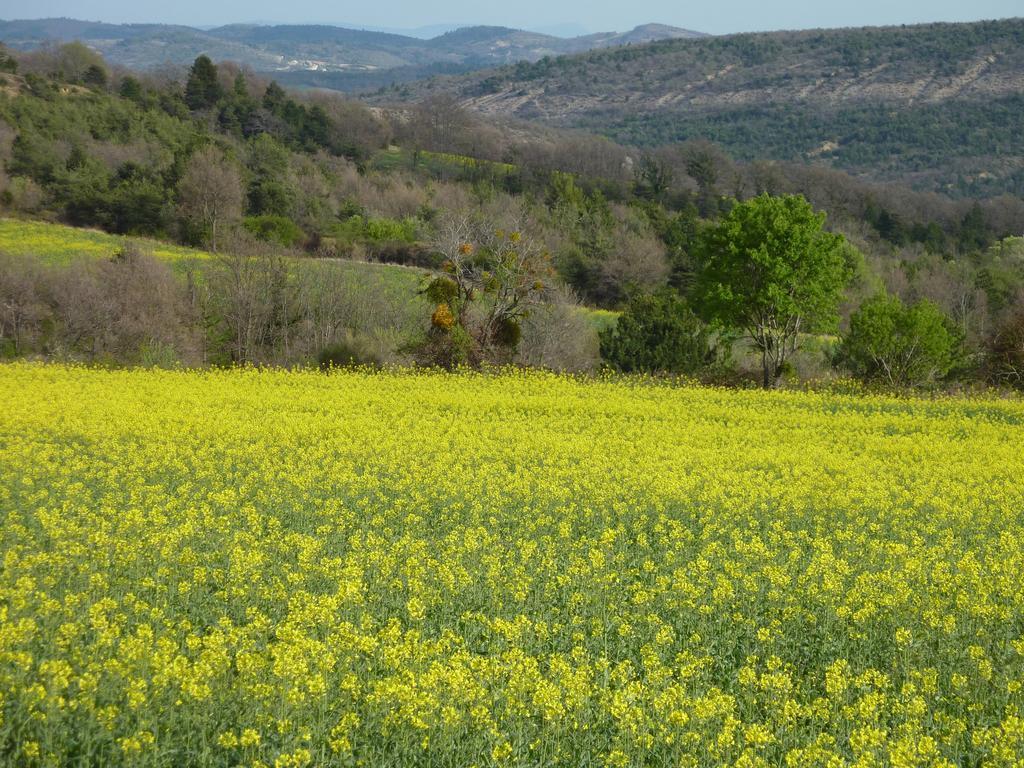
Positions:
(304, 48)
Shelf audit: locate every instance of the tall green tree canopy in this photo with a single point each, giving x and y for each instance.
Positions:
(202, 89)
(900, 345)
(770, 270)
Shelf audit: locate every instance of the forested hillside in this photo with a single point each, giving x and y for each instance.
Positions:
(937, 106)
(513, 225)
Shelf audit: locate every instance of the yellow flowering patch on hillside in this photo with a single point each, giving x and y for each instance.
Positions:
(292, 569)
(59, 244)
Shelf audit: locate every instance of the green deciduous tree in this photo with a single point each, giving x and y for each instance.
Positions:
(899, 345)
(70, 61)
(770, 270)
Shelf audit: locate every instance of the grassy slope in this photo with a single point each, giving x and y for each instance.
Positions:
(60, 244)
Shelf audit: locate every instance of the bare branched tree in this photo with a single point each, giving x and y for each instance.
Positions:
(210, 192)
(122, 308)
(440, 123)
(558, 335)
(329, 303)
(252, 294)
(22, 309)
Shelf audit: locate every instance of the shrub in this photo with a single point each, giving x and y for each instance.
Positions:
(377, 230)
(900, 345)
(23, 195)
(444, 347)
(382, 230)
(409, 254)
(345, 353)
(658, 333)
(274, 229)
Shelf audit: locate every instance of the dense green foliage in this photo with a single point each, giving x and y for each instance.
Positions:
(658, 333)
(274, 229)
(770, 270)
(115, 161)
(55, 149)
(900, 345)
(967, 146)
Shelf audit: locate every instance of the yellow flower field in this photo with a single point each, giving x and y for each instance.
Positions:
(291, 569)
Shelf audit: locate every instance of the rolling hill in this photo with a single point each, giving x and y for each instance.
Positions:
(938, 105)
(316, 49)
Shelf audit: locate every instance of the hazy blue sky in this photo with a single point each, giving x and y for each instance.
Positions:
(715, 16)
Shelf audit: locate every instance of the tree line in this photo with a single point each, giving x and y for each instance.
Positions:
(768, 273)
(221, 158)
